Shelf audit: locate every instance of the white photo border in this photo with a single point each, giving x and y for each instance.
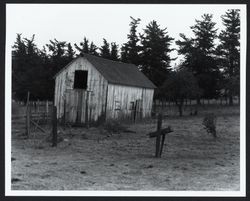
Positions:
(240, 193)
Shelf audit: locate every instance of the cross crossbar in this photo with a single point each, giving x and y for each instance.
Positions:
(160, 132)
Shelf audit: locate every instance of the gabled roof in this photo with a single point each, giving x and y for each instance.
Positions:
(118, 72)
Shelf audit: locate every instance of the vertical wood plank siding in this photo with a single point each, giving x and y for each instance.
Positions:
(64, 92)
(119, 96)
(124, 95)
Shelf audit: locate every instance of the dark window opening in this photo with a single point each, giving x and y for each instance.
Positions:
(81, 79)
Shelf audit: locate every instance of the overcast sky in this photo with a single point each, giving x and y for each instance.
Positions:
(71, 22)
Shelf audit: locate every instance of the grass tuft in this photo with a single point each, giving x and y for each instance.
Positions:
(209, 123)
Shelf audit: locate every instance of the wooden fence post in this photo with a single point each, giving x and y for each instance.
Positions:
(54, 127)
(38, 105)
(47, 111)
(28, 115)
(28, 122)
(158, 138)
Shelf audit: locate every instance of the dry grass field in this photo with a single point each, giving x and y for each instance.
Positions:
(90, 159)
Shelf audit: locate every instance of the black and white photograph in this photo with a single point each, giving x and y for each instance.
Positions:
(125, 100)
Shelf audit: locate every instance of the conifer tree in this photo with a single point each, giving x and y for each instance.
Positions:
(124, 53)
(130, 50)
(199, 55)
(57, 60)
(84, 46)
(87, 48)
(93, 49)
(19, 69)
(155, 57)
(70, 53)
(57, 48)
(114, 52)
(58, 56)
(229, 52)
(28, 70)
(105, 49)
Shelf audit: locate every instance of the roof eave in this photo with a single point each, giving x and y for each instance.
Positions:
(65, 67)
(132, 85)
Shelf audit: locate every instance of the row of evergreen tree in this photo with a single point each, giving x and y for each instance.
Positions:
(215, 66)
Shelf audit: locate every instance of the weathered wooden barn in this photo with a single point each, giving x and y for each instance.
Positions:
(91, 89)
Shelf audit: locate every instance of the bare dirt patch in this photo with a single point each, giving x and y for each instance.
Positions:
(88, 159)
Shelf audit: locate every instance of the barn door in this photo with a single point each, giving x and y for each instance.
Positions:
(79, 106)
(75, 107)
(136, 110)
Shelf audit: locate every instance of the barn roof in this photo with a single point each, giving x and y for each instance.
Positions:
(119, 73)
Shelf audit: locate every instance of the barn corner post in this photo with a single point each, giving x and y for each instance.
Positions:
(106, 104)
(64, 114)
(54, 127)
(87, 110)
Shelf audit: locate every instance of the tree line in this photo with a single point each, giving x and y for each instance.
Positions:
(210, 68)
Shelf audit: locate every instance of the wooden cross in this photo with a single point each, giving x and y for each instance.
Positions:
(160, 136)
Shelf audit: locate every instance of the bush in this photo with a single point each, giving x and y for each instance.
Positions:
(113, 126)
(209, 123)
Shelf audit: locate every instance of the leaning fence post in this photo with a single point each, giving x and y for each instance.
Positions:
(158, 138)
(54, 127)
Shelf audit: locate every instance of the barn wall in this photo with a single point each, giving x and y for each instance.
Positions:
(120, 98)
(147, 102)
(65, 95)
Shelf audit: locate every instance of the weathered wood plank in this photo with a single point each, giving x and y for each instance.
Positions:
(126, 95)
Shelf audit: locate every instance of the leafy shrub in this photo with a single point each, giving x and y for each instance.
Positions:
(113, 126)
(209, 123)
